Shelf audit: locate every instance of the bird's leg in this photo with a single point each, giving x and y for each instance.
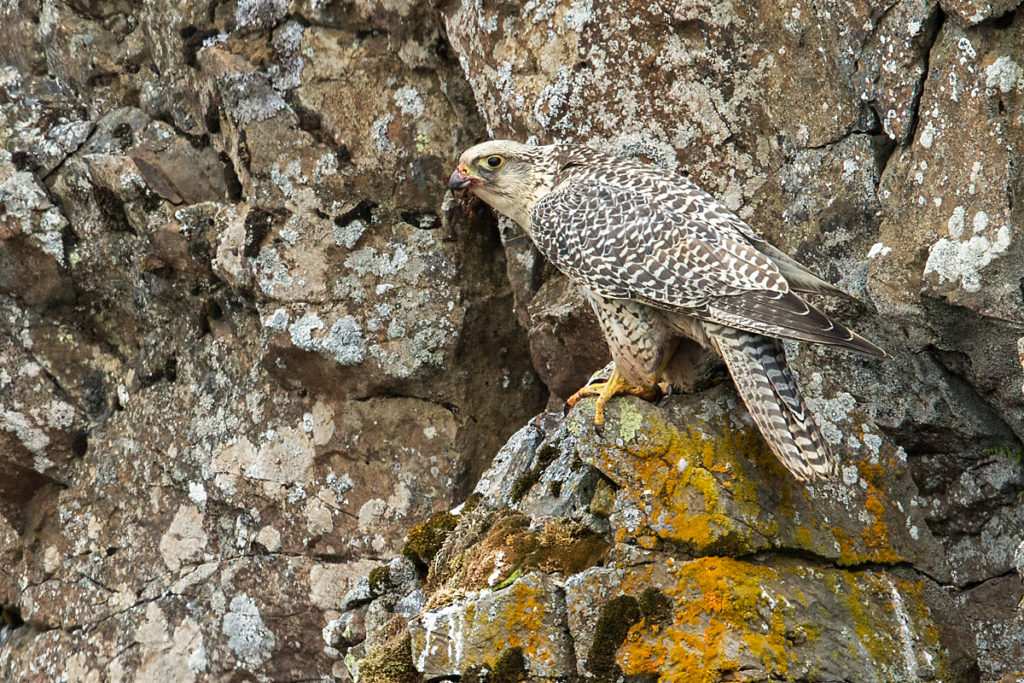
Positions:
(615, 386)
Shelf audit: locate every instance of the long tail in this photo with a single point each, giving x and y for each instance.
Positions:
(758, 367)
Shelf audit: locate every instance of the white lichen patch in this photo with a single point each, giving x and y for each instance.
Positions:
(270, 271)
(409, 101)
(379, 133)
(248, 637)
(278, 320)
(956, 261)
(1004, 75)
(30, 436)
(259, 12)
(832, 412)
(343, 341)
(250, 97)
(349, 235)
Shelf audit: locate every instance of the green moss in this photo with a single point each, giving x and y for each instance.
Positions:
(523, 484)
(509, 667)
(566, 547)
(610, 632)
(389, 663)
(526, 481)
(654, 606)
(380, 580)
(513, 577)
(425, 540)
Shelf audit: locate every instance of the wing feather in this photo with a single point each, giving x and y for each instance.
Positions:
(616, 230)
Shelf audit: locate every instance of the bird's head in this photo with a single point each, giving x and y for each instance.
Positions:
(508, 175)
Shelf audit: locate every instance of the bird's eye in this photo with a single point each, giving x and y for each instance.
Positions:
(495, 161)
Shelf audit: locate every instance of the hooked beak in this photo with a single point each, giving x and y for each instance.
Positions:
(459, 180)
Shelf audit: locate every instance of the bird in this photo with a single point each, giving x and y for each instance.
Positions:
(663, 263)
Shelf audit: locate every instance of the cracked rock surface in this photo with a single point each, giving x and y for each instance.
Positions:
(271, 405)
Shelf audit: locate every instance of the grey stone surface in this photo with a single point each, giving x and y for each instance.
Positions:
(246, 343)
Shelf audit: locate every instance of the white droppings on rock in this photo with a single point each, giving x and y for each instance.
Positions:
(878, 249)
(197, 493)
(906, 637)
(928, 134)
(967, 48)
(248, 637)
(499, 563)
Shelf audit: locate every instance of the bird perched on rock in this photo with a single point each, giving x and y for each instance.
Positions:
(660, 261)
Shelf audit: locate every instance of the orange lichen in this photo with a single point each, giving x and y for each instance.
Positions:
(715, 596)
(687, 496)
(875, 544)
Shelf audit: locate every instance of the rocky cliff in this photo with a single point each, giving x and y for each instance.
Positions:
(257, 371)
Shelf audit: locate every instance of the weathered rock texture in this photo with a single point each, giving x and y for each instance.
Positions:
(248, 349)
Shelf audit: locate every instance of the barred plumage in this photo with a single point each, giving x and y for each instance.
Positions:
(660, 259)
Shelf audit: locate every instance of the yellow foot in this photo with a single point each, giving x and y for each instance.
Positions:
(615, 386)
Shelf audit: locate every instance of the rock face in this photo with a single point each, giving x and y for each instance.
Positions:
(251, 355)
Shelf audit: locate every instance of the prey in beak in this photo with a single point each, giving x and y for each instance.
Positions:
(461, 180)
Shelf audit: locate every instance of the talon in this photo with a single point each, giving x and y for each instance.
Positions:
(615, 386)
(651, 393)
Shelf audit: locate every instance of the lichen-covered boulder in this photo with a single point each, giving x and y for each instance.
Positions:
(648, 550)
(253, 360)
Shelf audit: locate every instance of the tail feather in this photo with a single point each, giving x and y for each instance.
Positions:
(758, 366)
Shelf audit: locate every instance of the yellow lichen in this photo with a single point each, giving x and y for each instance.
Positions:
(690, 503)
(714, 596)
